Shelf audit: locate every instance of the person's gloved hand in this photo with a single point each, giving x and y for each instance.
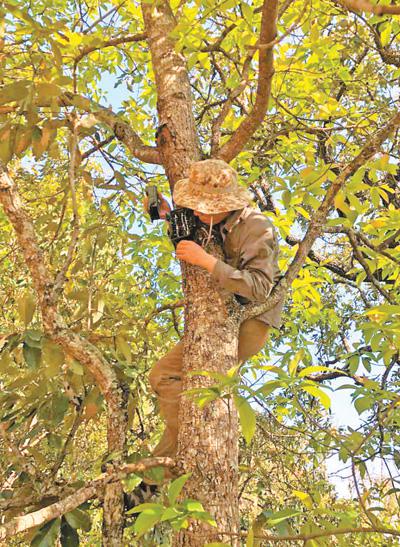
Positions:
(192, 253)
(164, 207)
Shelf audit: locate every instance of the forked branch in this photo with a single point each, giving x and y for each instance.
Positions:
(265, 72)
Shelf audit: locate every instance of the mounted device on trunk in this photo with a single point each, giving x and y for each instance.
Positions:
(182, 221)
(154, 202)
(183, 225)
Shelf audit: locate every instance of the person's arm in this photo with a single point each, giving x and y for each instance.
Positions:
(254, 279)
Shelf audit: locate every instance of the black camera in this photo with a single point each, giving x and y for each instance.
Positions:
(154, 202)
(183, 225)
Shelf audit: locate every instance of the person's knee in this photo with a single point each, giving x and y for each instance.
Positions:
(155, 375)
(252, 337)
(167, 370)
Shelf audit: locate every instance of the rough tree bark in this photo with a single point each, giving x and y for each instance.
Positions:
(211, 455)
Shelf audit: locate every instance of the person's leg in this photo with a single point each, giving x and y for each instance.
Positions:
(253, 335)
(166, 381)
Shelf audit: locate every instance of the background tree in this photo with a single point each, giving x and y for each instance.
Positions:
(91, 295)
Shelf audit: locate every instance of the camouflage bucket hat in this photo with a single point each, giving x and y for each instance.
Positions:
(212, 187)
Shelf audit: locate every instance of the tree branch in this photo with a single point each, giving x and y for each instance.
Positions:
(73, 161)
(364, 5)
(129, 38)
(250, 124)
(97, 147)
(53, 324)
(121, 129)
(318, 221)
(328, 263)
(319, 534)
(26, 522)
(364, 264)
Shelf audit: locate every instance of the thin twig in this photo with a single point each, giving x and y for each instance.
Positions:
(73, 160)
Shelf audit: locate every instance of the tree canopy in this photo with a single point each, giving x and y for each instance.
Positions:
(91, 294)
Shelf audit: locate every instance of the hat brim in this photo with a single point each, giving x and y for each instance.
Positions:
(185, 196)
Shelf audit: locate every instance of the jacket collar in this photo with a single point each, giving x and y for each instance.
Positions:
(234, 218)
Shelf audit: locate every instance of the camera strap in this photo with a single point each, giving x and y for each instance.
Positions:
(209, 234)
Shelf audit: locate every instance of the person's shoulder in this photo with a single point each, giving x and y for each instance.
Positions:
(255, 220)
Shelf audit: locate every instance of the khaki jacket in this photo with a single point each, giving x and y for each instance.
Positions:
(251, 268)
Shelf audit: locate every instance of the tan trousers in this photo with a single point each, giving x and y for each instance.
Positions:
(166, 379)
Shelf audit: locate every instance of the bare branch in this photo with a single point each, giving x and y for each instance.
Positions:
(389, 241)
(160, 309)
(73, 161)
(104, 16)
(250, 124)
(234, 93)
(97, 147)
(217, 44)
(364, 264)
(329, 263)
(68, 440)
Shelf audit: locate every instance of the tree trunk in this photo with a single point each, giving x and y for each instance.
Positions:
(113, 502)
(208, 439)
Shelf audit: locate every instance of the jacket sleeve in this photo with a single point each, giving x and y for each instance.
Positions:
(255, 274)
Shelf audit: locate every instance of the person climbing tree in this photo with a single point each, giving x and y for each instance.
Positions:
(249, 270)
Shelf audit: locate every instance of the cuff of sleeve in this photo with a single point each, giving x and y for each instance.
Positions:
(222, 272)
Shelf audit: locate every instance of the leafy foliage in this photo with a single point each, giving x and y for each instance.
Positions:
(334, 85)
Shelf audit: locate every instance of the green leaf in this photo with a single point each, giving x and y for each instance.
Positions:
(58, 408)
(176, 486)
(131, 481)
(47, 534)
(304, 497)
(170, 513)
(317, 392)
(14, 92)
(26, 307)
(247, 12)
(144, 507)
(250, 538)
(363, 403)
(147, 519)
(47, 90)
(69, 536)
(247, 417)
(124, 348)
(280, 516)
(193, 505)
(32, 356)
(79, 519)
(53, 357)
